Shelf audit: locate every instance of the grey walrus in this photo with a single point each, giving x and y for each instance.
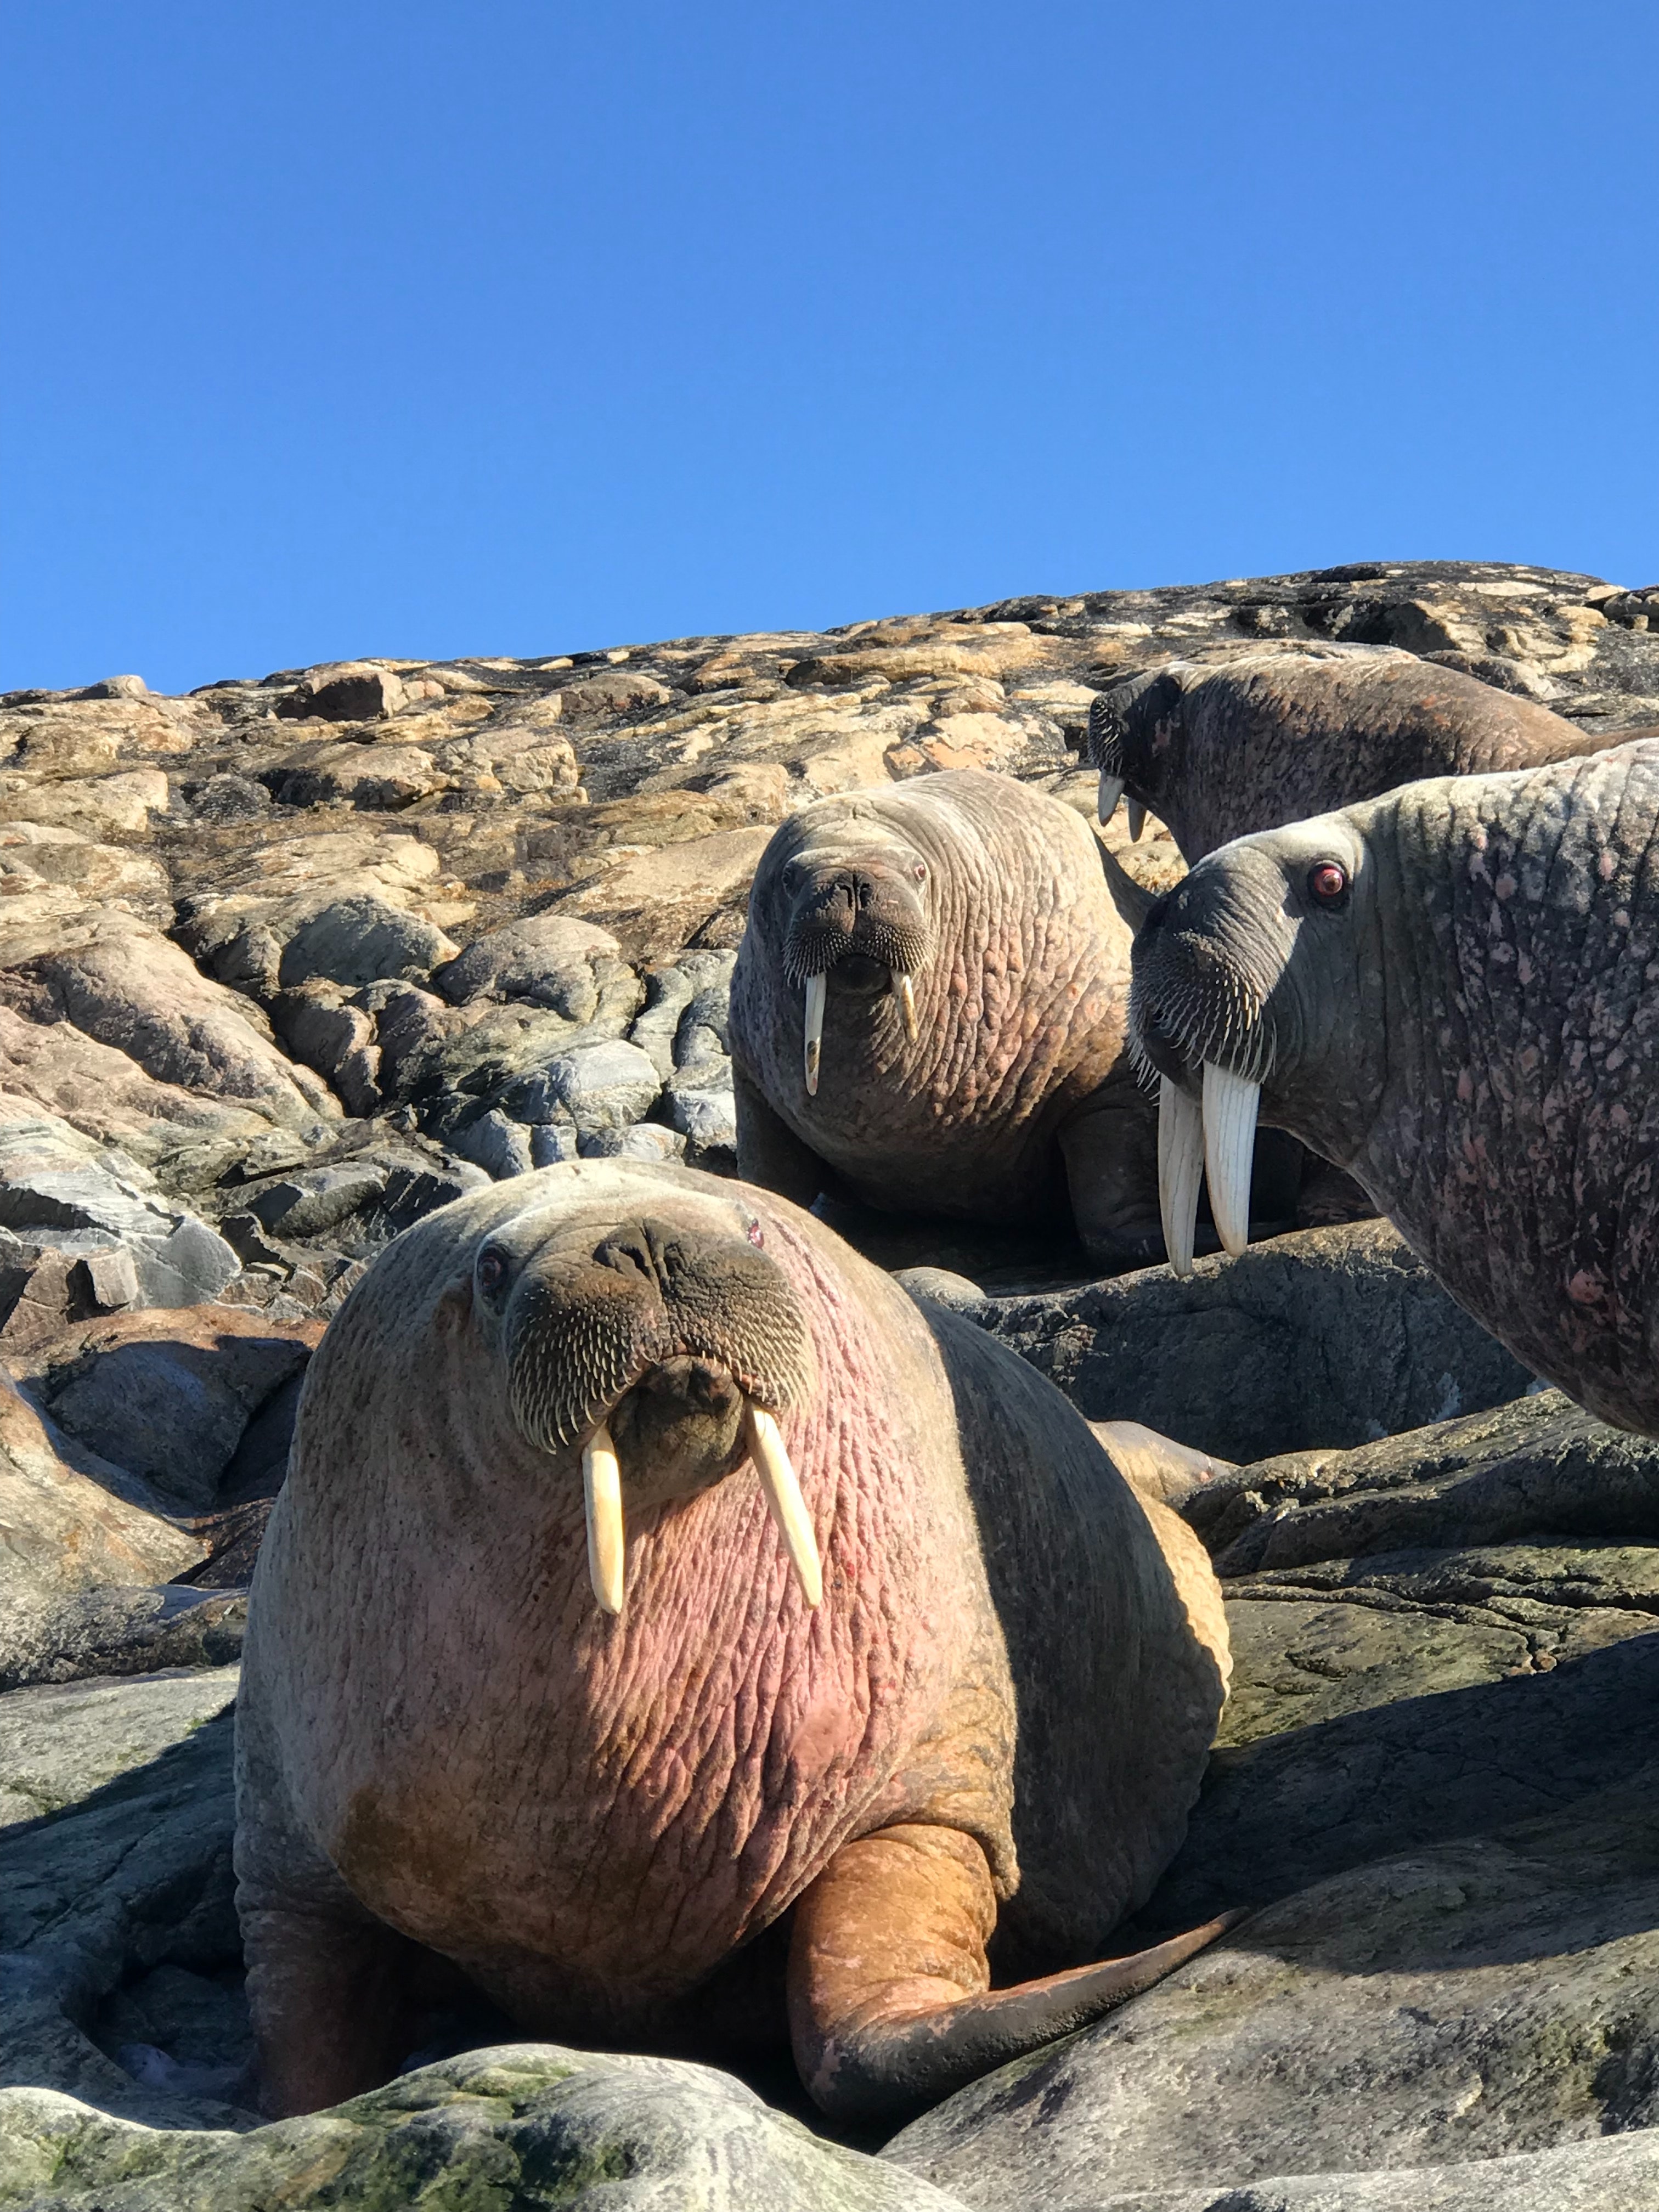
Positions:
(929, 1012)
(1453, 992)
(1219, 750)
(652, 1573)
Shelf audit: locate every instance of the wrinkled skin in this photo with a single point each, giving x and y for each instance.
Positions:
(1014, 1101)
(1220, 750)
(1470, 1028)
(453, 1769)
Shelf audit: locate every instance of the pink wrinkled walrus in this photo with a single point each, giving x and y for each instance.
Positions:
(652, 1573)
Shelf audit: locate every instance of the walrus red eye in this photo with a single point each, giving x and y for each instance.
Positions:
(492, 1271)
(757, 1235)
(1328, 882)
(920, 872)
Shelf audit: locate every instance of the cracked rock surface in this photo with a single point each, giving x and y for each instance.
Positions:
(288, 963)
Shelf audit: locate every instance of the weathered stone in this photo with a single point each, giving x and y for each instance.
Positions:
(706, 1119)
(134, 1876)
(112, 1279)
(128, 987)
(1327, 1338)
(1536, 1463)
(528, 2126)
(599, 1086)
(118, 1631)
(173, 1392)
(646, 1141)
(317, 1198)
(61, 1741)
(1475, 1999)
(70, 1520)
(501, 1148)
(359, 940)
(547, 959)
(350, 692)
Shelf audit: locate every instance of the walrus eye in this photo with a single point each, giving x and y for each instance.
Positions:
(1328, 883)
(491, 1270)
(755, 1235)
(920, 872)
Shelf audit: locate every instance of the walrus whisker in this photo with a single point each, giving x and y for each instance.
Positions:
(1110, 791)
(1180, 1166)
(602, 1496)
(904, 992)
(781, 1486)
(816, 987)
(1230, 1111)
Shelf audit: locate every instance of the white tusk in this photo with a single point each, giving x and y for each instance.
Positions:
(783, 1498)
(903, 992)
(1137, 820)
(816, 987)
(607, 1552)
(1180, 1164)
(1229, 1110)
(1111, 790)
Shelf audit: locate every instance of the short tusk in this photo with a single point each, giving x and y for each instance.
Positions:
(783, 1498)
(1180, 1166)
(1111, 790)
(816, 987)
(904, 992)
(1137, 820)
(1230, 1111)
(607, 1553)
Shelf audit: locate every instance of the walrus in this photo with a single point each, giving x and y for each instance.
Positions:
(654, 1575)
(1453, 992)
(1220, 750)
(928, 1014)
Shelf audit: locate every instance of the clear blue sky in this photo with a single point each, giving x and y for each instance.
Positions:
(426, 328)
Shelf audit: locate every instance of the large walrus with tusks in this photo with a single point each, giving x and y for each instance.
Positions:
(1453, 992)
(1221, 749)
(655, 1583)
(929, 1013)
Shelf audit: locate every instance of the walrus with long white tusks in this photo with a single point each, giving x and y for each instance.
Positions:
(928, 1015)
(1453, 991)
(674, 1631)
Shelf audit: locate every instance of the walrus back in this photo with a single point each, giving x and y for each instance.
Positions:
(1116, 1647)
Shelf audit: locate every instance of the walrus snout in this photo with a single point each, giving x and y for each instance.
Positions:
(666, 1350)
(866, 919)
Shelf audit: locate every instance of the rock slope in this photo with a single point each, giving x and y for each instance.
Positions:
(287, 962)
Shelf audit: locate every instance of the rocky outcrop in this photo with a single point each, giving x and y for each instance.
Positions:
(288, 964)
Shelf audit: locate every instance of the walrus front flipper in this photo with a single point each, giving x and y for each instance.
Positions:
(890, 2006)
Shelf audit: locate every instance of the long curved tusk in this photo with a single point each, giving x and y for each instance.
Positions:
(1230, 1111)
(904, 992)
(1180, 1165)
(1110, 791)
(816, 987)
(1137, 815)
(783, 1498)
(607, 1552)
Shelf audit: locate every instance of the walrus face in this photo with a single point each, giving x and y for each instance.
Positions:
(1131, 727)
(660, 1340)
(1257, 984)
(854, 901)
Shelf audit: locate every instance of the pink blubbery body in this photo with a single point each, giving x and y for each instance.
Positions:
(440, 1732)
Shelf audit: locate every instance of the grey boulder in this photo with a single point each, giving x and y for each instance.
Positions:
(527, 2126)
(1329, 1337)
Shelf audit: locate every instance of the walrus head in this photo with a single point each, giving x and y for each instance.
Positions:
(851, 900)
(1128, 733)
(1256, 990)
(662, 1340)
